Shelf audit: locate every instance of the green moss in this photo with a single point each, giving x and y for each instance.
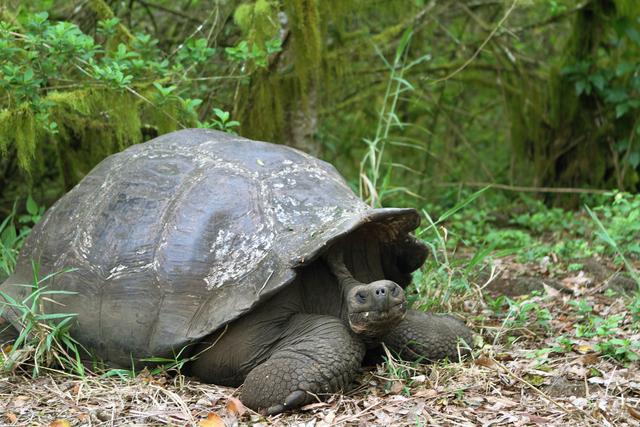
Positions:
(628, 8)
(265, 104)
(103, 11)
(18, 129)
(243, 16)
(258, 21)
(307, 42)
(92, 124)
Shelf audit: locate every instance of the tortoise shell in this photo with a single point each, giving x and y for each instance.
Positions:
(171, 239)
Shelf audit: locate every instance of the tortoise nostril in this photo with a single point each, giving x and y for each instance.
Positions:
(381, 291)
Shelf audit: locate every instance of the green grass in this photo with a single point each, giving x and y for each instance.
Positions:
(14, 229)
(44, 340)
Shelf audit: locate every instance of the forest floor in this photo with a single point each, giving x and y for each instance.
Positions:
(557, 343)
(528, 368)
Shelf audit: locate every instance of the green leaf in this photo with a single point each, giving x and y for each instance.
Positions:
(581, 86)
(32, 206)
(621, 110)
(8, 236)
(624, 68)
(38, 19)
(28, 75)
(616, 95)
(222, 115)
(597, 80)
(404, 41)
(55, 316)
(633, 34)
(122, 373)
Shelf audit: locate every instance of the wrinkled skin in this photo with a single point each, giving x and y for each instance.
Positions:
(310, 339)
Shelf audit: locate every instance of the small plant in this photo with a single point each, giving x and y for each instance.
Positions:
(597, 326)
(156, 366)
(441, 278)
(12, 238)
(621, 349)
(575, 266)
(564, 344)
(44, 340)
(531, 311)
(221, 122)
(634, 307)
(634, 231)
(508, 239)
(375, 175)
(254, 56)
(545, 220)
(524, 314)
(498, 304)
(582, 306)
(398, 373)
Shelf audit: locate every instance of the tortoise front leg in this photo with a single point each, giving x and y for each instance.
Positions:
(318, 355)
(425, 336)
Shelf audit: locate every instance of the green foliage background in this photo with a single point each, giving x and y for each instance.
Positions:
(411, 99)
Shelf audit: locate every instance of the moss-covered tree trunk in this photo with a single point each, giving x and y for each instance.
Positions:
(564, 132)
(280, 103)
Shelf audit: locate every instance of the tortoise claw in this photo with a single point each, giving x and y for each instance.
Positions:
(294, 400)
(275, 409)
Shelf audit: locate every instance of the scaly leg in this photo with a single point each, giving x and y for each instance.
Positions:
(429, 337)
(317, 355)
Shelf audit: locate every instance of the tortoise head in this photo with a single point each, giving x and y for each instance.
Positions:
(371, 309)
(374, 308)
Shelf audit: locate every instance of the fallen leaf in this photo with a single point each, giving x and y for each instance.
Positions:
(11, 417)
(552, 292)
(633, 412)
(60, 423)
(498, 403)
(213, 420)
(419, 378)
(396, 387)
(486, 362)
(428, 393)
(583, 348)
(590, 359)
(236, 407)
(504, 357)
(20, 401)
(330, 417)
(314, 405)
(536, 419)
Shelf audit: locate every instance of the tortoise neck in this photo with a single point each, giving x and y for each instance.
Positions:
(335, 261)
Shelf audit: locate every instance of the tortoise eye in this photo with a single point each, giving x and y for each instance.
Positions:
(361, 297)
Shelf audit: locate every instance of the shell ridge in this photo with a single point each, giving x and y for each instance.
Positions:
(193, 178)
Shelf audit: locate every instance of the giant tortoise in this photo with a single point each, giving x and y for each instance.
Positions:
(257, 256)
